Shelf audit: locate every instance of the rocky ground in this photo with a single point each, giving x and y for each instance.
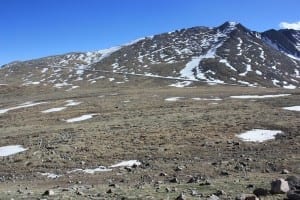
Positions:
(184, 149)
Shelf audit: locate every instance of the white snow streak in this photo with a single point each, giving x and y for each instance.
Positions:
(292, 108)
(81, 118)
(129, 163)
(54, 110)
(11, 150)
(24, 105)
(258, 96)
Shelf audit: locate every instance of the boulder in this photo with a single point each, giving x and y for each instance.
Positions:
(279, 186)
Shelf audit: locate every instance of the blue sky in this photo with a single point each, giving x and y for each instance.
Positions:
(36, 28)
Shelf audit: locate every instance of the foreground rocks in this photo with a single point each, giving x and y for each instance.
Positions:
(279, 186)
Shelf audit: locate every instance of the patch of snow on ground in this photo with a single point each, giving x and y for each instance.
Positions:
(173, 98)
(207, 99)
(31, 83)
(181, 84)
(192, 69)
(239, 45)
(291, 87)
(258, 135)
(51, 175)
(60, 85)
(248, 69)
(11, 150)
(72, 88)
(292, 108)
(247, 83)
(276, 82)
(227, 64)
(258, 72)
(72, 103)
(111, 79)
(53, 110)
(81, 118)
(91, 171)
(129, 163)
(24, 105)
(44, 70)
(262, 54)
(258, 96)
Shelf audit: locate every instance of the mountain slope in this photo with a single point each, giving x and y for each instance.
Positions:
(228, 54)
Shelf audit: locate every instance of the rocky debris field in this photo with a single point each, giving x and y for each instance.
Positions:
(156, 142)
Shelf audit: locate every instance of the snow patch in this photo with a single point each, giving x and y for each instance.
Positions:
(44, 70)
(11, 150)
(51, 175)
(54, 110)
(258, 96)
(227, 64)
(291, 87)
(72, 103)
(173, 98)
(81, 118)
(248, 69)
(292, 108)
(24, 105)
(91, 171)
(258, 72)
(207, 99)
(258, 135)
(181, 84)
(129, 163)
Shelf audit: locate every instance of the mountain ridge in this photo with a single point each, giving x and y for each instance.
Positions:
(227, 54)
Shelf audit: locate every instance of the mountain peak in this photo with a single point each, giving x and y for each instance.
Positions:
(228, 54)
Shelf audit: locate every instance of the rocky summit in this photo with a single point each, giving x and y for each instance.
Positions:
(229, 54)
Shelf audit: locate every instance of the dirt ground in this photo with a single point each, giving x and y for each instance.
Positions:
(186, 146)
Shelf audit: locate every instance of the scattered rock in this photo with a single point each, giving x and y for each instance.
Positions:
(181, 197)
(174, 180)
(246, 197)
(293, 195)
(194, 180)
(168, 190)
(224, 173)
(220, 193)
(279, 186)
(109, 191)
(20, 191)
(179, 168)
(294, 182)
(113, 185)
(162, 174)
(48, 193)
(213, 197)
(285, 171)
(79, 193)
(206, 182)
(261, 192)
